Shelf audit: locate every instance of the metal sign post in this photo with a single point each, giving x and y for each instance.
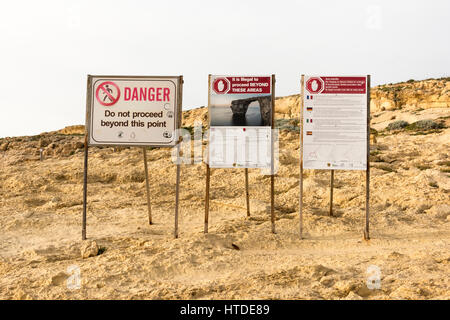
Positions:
(147, 186)
(177, 190)
(86, 153)
(331, 191)
(366, 229)
(208, 172)
(272, 160)
(132, 111)
(301, 159)
(83, 230)
(177, 196)
(247, 199)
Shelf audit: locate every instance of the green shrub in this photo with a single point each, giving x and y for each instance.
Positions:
(397, 125)
(426, 125)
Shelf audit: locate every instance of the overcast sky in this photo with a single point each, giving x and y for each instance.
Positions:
(48, 47)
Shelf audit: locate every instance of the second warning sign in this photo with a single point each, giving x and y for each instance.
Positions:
(240, 118)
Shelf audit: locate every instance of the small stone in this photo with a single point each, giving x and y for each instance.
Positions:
(353, 296)
(344, 287)
(363, 291)
(327, 281)
(394, 255)
(441, 211)
(4, 146)
(59, 279)
(89, 249)
(321, 271)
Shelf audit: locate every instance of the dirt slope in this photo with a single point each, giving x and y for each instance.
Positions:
(41, 205)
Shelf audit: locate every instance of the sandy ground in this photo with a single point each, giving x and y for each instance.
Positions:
(41, 207)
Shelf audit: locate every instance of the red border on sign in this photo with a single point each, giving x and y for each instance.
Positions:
(319, 88)
(109, 95)
(227, 83)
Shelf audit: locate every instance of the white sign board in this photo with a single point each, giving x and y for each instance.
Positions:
(240, 120)
(335, 122)
(236, 147)
(133, 111)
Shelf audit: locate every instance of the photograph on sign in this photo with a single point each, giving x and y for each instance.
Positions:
(240, 115)
(134, 111)
(335, 122)
(240, 101)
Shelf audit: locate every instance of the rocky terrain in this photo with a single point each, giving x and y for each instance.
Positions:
(125, 258)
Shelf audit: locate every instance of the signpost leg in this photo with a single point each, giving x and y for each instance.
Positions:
(207, 198)
(247, 192)
(147, 185)
(301, 199)
(301, 161)
(83, 231)
(331, 192)
(366, 229)
(272, 160)
(177, 195)
(272, 202)
(177, 190)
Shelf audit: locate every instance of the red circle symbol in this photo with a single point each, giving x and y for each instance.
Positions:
(221, 85)
(314, 85)
(107, 93)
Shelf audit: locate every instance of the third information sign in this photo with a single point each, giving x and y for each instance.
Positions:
(335, 122)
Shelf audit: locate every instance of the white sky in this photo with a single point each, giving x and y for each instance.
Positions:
(48, 47)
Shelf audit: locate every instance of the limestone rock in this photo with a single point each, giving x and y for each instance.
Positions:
(89, 249)
(4, 146)
(353, 296)
(59, 279)
(440, 211)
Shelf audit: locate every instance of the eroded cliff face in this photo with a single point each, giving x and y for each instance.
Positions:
(410, 95)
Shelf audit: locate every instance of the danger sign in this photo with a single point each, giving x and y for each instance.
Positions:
(133, 111)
